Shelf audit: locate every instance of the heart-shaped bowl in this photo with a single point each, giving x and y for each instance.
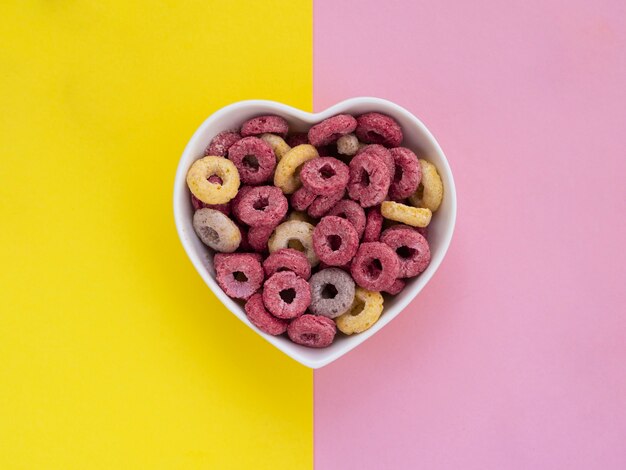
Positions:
(416, 136)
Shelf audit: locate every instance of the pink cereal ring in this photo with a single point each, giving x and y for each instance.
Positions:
(313, 331)
(265, 124)
(397, 287)
(323, 204)
(287, 259)
(262, 319)
(329, 130)
(254, 159)
(373, 224)
(258, 237)
(238, 274)
(220, 144)
(302, 199)
(286, 295)
(198, 204)
(352, 212)
(335, 240)
(377, 128)
(383, 154)
(407, 175)
(369, 180)
(411, 248)
(262, 205)
(324, 175)
(375, 266)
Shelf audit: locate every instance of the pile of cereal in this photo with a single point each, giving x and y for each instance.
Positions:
(310, 229)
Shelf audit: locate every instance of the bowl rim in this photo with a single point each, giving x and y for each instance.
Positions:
(290, 111)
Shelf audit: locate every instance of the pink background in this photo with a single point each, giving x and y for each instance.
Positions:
(514, 356)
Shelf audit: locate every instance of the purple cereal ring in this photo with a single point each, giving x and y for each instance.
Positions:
(383, 154)
(375, 266)
(332, 292)
(254, 159)
(407, 174)
(329, 130)
(302, 199)
(286, 295)
(313, 331)
(373, 224)
(221, 143)
(262, 205)
(259, 236)
(287, 259)
(265, 124)
(335, 240)
(377, 128)
(411, 248)
(298, 138)
(397, 287)
(352, 212)
(323, 204)
(238, 274)
(324, 175)
(262, 319)
(369, 180)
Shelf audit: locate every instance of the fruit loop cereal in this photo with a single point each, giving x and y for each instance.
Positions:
(295, 221)
(208, 192)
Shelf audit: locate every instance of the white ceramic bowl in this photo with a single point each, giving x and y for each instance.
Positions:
(416, 137)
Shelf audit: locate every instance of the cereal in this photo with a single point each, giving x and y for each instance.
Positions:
(279, 146)
(262, 205)
(323, 204)
(303, 216)
(369, 180)
(268, 124)
(397, 287)
(335, 240)
(377, 128)
(198, 204)
(302, 199)
(254, 160)
(352, 212)
(407, 176)
(287, 259)
(259, 236)
(348, 145)
(413, 216)
(244, 246)
(238, 274)
(216, 230)
(298, 138)
(324, 175)
(292, 234)
(375, 266)
(208, 192)
(221, 143)
(411, 248)
(329, 130)
(286, 176)
(332, 292)
(430, 192)
(286, 295)
(262, 319)
(373, 224)
(382, 154)
(365, 311)
(313, 331)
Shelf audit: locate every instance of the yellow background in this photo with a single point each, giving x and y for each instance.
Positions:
(113, 353)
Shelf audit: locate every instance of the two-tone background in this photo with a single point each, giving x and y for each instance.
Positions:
(114, 354)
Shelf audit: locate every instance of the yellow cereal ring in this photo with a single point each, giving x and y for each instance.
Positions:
(213, 193)
(430, 191)
(278, 144)
(409, 215)
(288, 168)
(294, 234)
(365, 311)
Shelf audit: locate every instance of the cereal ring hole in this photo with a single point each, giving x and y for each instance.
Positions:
(406, 252)
(357, 308)
(261, 203)
(397, 176)
(215, 179)
(420, 191)
(374, 268)
(210, 234)
(374, 137)
(329, 291)
(251, 162)
(364, 178)
(240, 276)
(288, 295)
(296, 245)
(334, 242)
(327, 171)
